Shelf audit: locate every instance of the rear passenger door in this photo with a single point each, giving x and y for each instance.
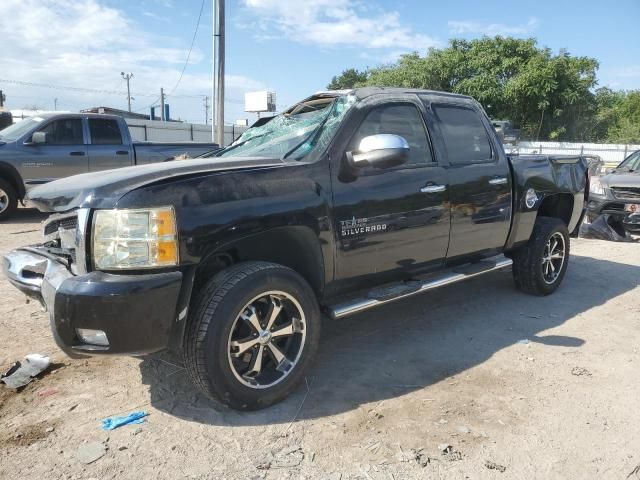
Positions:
(107, 149)
(479, 180)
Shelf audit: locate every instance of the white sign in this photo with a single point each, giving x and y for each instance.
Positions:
(260, 101)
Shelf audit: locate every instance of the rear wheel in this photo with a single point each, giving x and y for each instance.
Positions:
(254, 332)
(8, 200)
(540, 265)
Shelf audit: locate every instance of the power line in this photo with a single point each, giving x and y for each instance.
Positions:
(193, 40)
(107, 92)
(74, 89)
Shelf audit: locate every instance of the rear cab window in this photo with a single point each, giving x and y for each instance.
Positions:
(104, 131)
(464, 135)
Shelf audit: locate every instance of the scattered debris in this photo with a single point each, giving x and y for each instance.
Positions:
(463, 429)
(21, 373)
(524, 341)
(90, 452)
(50, 429)
(112, 423)
(47, 392)
(580, 372)
(288, 457)
(420, 457)
(635, 473)
(449, 453)
(494, 466)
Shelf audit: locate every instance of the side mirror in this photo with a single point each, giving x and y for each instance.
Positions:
(39, 138)
(380, 151)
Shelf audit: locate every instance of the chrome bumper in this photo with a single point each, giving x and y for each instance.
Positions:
(35, 273)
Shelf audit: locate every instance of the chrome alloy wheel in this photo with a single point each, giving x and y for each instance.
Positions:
(266, 340)
(4, 200)
(553, 258)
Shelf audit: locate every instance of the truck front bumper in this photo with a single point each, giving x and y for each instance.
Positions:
(135, 312)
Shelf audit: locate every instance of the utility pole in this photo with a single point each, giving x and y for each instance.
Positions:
(128, 77)
(218, 68)
(206, 109)
(162, 104)
(213, 70)
(55, 104)
(221, 55)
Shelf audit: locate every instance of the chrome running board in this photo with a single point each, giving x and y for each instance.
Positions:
(375, 298)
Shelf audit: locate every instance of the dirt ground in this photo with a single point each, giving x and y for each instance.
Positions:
(508, 385)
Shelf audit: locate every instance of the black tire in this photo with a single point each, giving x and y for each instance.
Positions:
(528, 266)
(208, 340)
(8, 200)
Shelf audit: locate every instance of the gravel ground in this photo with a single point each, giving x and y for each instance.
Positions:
(475, 380)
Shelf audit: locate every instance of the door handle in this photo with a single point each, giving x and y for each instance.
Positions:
(122, 152)
(433, 189)
(498, 181)
(76, 154)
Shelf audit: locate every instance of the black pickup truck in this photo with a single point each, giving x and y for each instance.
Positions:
(345, 202)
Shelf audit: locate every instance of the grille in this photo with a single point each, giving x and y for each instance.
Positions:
(67, 223)
(626, 193)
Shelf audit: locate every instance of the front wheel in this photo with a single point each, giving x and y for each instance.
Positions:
(8, 200)
(540, 265)
(253, 334)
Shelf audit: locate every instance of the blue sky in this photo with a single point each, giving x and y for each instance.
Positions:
(291, 46)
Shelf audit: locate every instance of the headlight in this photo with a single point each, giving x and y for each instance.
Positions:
(595, 186)
(131, 239)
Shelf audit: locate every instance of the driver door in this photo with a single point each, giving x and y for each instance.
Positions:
(390, 223)
(64, 153)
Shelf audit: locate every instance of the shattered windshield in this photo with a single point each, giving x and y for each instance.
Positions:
(294, 134)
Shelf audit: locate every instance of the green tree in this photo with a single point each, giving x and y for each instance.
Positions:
(625, 127)
(347, 79)
(547, 95)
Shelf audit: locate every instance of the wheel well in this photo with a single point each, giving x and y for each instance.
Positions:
(295, 247)
(11, 175)
(559, 205)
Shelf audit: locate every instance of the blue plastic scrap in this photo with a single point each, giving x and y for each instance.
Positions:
(115, 422)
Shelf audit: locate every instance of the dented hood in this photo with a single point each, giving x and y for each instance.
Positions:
(104, 189)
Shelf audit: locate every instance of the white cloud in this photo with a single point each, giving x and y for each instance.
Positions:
(631, 71)
(84, 43)
(472, 27)
(334, 23)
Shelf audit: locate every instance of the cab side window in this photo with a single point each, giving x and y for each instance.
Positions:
(104, 132)
(64, 132)
(464, 135)
(397, 119)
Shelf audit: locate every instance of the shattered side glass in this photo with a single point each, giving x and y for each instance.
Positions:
(292, 136)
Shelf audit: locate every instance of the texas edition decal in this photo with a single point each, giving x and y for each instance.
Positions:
(358, 226)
